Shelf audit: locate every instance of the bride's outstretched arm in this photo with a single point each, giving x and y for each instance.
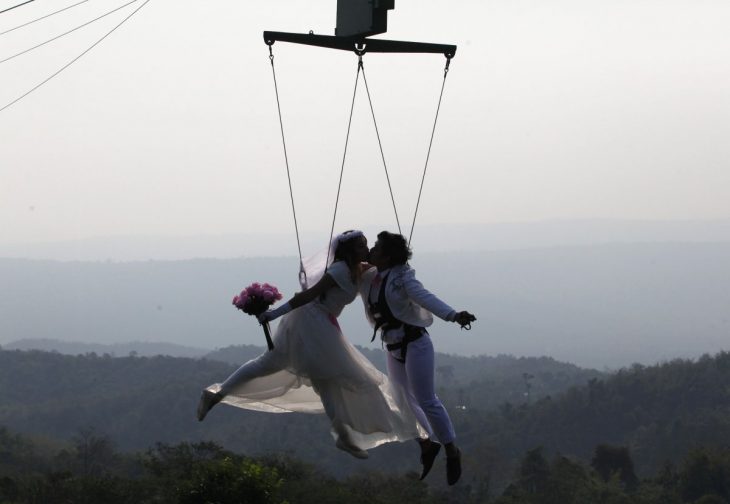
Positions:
(299, 299)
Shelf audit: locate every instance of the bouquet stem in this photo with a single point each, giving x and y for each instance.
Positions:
(267, 333)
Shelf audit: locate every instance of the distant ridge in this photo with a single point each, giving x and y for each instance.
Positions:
(428, 238)
(139, 348)
(597, 306)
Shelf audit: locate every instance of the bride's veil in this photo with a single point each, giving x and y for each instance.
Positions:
(313, 267)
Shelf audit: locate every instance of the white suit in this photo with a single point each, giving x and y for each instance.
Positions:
(411, 303)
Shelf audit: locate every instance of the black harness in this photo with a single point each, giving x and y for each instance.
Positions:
(385, 320)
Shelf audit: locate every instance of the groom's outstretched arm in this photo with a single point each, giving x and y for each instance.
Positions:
(425, 298)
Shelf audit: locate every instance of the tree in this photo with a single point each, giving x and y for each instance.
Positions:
(534, 471)
(615, 460)
(705, 472)
(94, 454)
(231, 480)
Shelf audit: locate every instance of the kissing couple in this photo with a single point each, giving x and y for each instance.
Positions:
(313, 368)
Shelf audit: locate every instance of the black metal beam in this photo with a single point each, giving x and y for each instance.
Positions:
(359, 45)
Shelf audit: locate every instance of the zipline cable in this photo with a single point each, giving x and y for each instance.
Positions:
(302, 274)
(42, 17)
(428, 155)
(68, 32)
(382, 155)
(75, 59)
(16, 6)
(344, 154)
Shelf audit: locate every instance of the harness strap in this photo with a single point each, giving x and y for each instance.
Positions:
(380, 311)
(385, 321)
(412, 333)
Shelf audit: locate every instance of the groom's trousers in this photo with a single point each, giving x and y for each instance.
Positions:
(416, 378)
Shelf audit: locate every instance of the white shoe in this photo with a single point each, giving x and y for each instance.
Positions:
(351, 449)
(208, 399)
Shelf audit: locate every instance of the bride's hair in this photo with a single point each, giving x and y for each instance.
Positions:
(345, 251)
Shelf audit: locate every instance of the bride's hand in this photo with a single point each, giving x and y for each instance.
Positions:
(270, 315)
(364, 266)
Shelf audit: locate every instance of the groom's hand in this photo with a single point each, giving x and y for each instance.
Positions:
(464, 318)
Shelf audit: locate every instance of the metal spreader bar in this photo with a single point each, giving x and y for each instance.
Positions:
(359, 45)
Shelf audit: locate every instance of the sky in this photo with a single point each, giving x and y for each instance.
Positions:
(561, 109)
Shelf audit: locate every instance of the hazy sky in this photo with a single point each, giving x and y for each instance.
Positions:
(554, 109)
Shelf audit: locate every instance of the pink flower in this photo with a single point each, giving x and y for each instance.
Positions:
(256, 298)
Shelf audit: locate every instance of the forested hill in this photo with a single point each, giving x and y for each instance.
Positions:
(142, 400)
(659, 412)
(90, 470)
(141, 348)
(502, 378)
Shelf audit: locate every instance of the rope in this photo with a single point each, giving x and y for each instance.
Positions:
(344, 154)
(75, 59)
(428, 155)
(43, 17)
(16, 6)
(382, 155)
(68, 32)
(360, 67)
(302, 274)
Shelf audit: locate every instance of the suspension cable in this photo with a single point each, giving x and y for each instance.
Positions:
(382, 155)
(68, 32)
(360, 68)
(76, 58)
(43, 17)
(344, 154)
(428, 155)
(16, 6)
(302, 273)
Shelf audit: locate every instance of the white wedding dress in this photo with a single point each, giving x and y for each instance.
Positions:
(314, 368)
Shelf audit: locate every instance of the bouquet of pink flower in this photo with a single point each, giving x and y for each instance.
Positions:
(255, 300)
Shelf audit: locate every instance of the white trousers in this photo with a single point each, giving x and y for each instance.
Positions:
(416, 378)
(271, 362)
(265, 364)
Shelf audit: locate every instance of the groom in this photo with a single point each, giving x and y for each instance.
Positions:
(398, 306)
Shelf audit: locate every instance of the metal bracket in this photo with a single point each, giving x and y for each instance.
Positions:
(360, 45)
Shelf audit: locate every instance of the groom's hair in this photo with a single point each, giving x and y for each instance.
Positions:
(395, 246)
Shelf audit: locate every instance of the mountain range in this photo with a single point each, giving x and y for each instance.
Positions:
(600, 306)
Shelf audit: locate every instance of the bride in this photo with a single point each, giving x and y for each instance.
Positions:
(314, 368)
